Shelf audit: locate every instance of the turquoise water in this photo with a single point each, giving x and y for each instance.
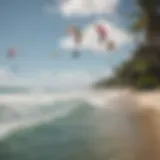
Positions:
(77, 131)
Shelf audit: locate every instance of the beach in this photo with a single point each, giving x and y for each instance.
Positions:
(148, 119)
(89, 124)
(148, 99)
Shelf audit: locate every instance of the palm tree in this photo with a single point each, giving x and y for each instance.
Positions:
(140, 23)
(149, 19)
(143, 70)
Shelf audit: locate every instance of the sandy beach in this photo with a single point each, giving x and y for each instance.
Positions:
(147, 119)
(148, 99)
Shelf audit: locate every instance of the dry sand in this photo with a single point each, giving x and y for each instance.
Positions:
(147, 119)
(148, 99)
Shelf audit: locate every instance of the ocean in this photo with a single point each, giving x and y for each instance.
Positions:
(76, 125)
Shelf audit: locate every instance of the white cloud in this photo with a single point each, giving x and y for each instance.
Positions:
(84, 7)
(90, 38)
(62, 79)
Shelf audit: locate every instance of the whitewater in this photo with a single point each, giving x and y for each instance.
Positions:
(22, 110)
(80, 124)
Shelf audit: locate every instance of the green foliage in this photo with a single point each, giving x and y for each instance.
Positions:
(147, 82)
(140, 23)
(143, 70)
(148, 3)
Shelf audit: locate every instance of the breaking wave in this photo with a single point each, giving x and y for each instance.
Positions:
(78, 125)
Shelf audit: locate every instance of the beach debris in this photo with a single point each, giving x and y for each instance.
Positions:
(76, 33)
(11, 53)
(110, 45)
(102, 32)
(76, 54)
(53, 55)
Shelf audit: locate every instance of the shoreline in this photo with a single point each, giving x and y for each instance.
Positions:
(144, 115)
(145, 99)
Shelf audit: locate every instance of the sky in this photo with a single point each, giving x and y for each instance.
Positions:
(36, 29)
